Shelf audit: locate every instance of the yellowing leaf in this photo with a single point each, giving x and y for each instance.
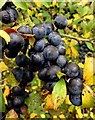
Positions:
(49, 102)
(59, 93)
(89, 70)
(4, 35)
(87, 97)
(90, 17)
(74, 52)
(31, 41)
(12, 115)
(87, 35)
(3, 67)
(37, 2)
(6, 93)
(32, 115)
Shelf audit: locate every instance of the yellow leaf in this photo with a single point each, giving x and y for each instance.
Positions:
(54, 2)
(67, 100)
(68, 51)
(76, 16)
(87, 97)
(3, 67)
(90, 17)
(6, 93)
(70, 21)
(42, 115)
(60, 74)
(89, 70)
(32, 115)
(37, 2)
(79, 113)
(81, 65)
(4, 35)
(87, 35)
(74, 52)
(62, 116)
(31, 41)
(73, 42)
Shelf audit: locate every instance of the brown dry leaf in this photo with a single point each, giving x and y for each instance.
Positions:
(9, 30)
(12, 115)
(24, 110)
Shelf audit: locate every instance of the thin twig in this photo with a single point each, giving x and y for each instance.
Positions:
(77, 38)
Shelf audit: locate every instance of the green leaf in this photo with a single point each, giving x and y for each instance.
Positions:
(35, 20)
(59, 93)
(11, 80)
(34, 103)
(2, 102)
(21, 5)
(89, 45)
(85, 10)
(46, 4)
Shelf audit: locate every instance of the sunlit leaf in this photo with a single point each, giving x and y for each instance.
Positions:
(20, 4)
(87, 97)
(3, 66)
(85, 10)
(32, 115)
(2, 2)
(74, 51)
(89, 45)
(89, 70)
(90, 17)
(4, 35)
(37, 2)
(87, 35)
(54, 2)
(2, 102)
(59, 93)
(78, 112)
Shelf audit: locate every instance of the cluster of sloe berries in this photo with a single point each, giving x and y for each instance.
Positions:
(47, 57)
(8, 13)
(16, 99)
(74, 82)
(83, 51)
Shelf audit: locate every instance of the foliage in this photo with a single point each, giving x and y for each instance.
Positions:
(41, 103)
